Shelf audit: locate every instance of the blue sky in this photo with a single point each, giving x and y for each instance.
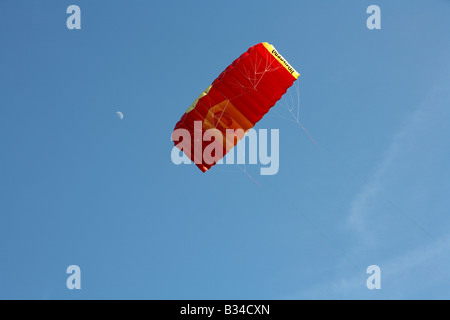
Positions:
(80, 186)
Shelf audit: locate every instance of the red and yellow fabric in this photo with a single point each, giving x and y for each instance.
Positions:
(242, 94)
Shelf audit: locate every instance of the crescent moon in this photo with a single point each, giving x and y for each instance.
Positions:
(120, 114)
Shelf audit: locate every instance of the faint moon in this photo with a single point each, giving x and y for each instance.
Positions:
(120, 114)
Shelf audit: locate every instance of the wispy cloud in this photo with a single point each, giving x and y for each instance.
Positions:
(395, 273)
(419, 145)
(399, 216)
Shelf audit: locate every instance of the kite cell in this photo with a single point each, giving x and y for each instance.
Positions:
(242, 94)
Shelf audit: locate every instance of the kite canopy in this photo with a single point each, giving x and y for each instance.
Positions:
(241, 95)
